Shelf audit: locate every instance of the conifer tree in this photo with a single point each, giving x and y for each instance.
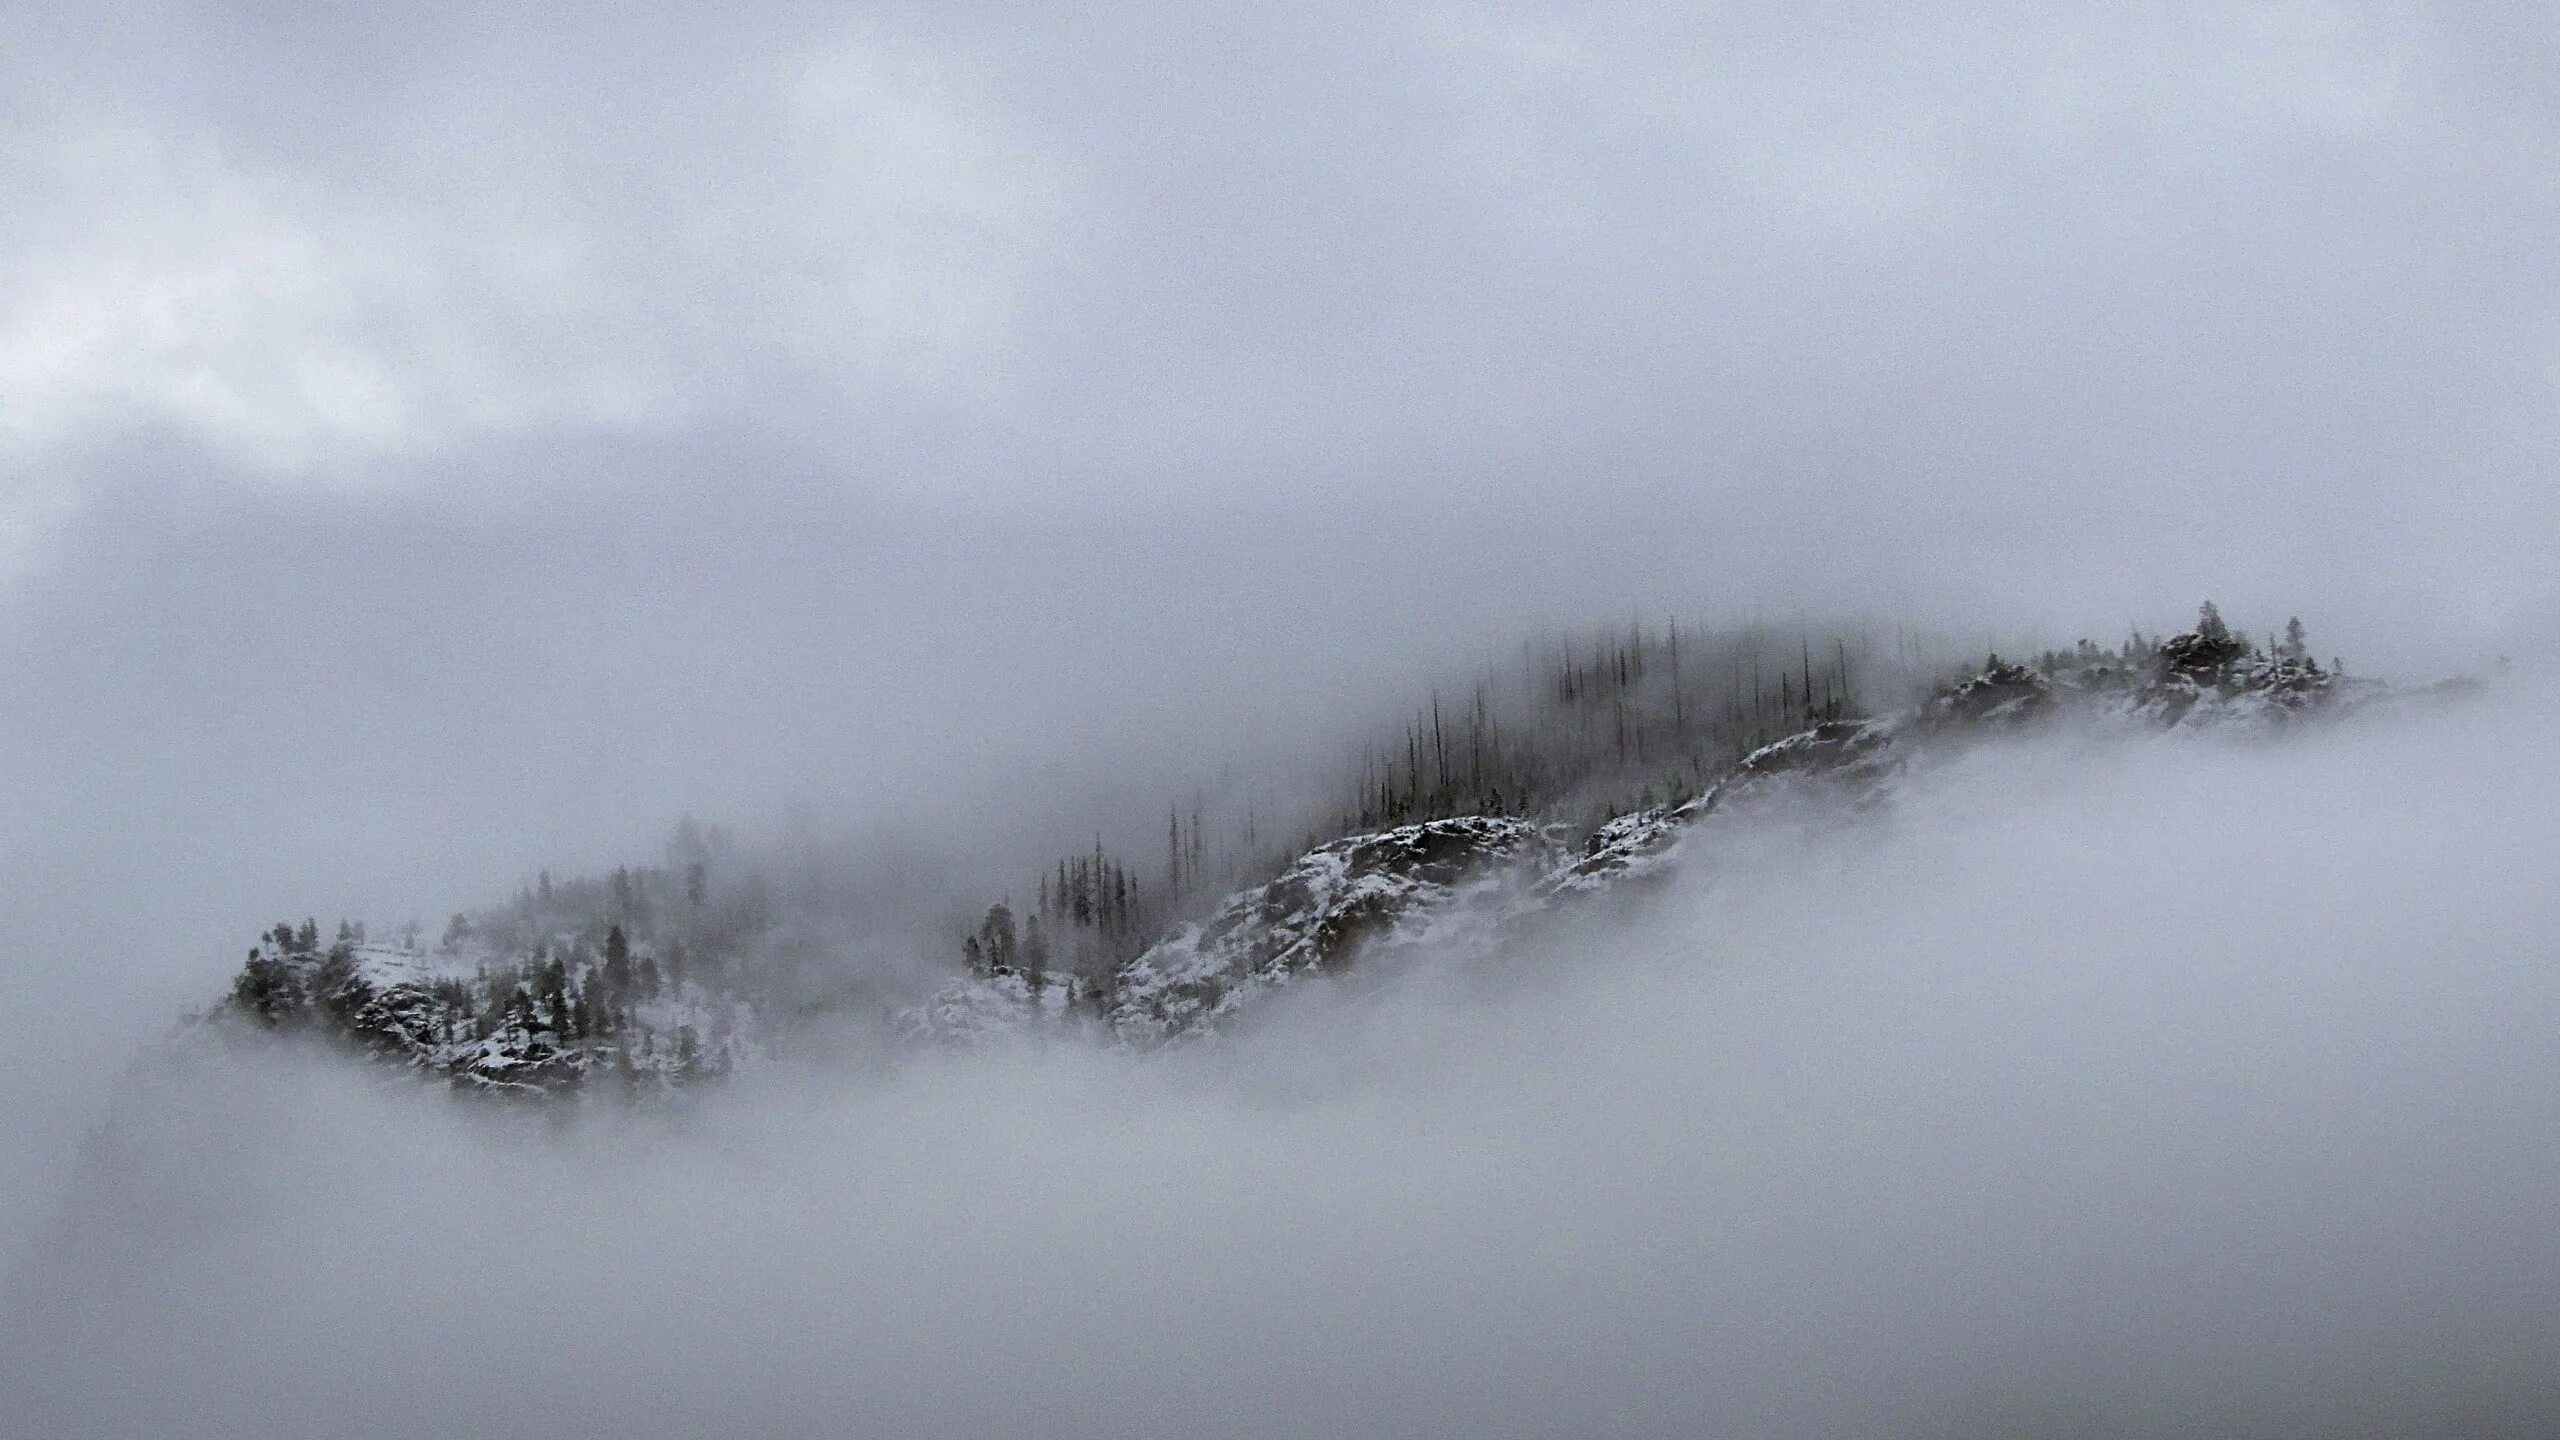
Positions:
(1035, 950)
(996, 940)
(268, 988)
(618, 978)
(555, 999)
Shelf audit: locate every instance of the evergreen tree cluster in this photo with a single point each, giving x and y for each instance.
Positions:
(1093, 912)
(631, 976)
(550, 1018)
(1597, 724)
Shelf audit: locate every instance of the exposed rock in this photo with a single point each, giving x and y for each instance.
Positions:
(2001, 694)
(1336, 904)
(1629, 848)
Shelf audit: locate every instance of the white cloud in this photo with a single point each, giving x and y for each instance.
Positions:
(2203, 1087)
(857, 210)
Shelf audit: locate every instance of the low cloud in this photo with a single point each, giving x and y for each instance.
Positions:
(496, 259)
(2158, 1087)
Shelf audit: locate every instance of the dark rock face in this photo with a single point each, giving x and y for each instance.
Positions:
(1375, 882)
(1849, 749)
(1632, 846)
(1457, 882)
(399, 1022)
(2209, 649)
(2201, 653)
(1853, 756)
(1332, 905)
(2000, 694)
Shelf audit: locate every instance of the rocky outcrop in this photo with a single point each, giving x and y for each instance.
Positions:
(1849, 757)
(1333, 907)
(2001, 694)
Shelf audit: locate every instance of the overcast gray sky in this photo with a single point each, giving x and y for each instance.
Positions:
(447, 420)
(2048, 285)
(2176, 1088)
(810, 376)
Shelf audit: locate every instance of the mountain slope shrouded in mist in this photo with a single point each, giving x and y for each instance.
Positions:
(2051, 1077)
(1463, 719)
(1585, 774)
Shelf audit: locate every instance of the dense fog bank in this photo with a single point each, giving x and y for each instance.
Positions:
(2169, 1086)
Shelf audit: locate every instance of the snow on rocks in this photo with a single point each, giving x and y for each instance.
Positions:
(1336, 904)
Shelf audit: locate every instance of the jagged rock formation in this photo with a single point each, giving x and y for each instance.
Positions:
(1851, 757)
(2000, 694)
(1339, 902)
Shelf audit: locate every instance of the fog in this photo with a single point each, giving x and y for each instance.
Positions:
(438, 447)
(2174, 1087)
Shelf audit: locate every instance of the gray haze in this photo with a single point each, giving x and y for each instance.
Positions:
(443, 444)
(2172, 1087)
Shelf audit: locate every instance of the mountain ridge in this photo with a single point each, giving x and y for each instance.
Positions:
(637, 986)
